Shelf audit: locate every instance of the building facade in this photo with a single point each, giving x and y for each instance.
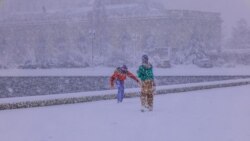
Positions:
(107, 33)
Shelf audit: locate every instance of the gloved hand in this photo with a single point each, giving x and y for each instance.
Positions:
(139, 84)
(154, 84)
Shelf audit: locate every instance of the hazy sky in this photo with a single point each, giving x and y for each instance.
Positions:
(231, 10)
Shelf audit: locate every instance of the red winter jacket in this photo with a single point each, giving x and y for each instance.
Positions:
(119, 75)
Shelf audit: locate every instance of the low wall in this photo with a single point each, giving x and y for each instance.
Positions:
(80, 99)
(33, 86)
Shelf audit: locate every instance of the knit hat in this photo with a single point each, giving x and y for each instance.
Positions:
(144, 58)
(124, 68)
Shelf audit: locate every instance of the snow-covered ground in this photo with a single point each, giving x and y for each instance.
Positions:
(208, 115)
(106, 71)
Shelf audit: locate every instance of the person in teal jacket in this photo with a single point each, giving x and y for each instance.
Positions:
(145, 74)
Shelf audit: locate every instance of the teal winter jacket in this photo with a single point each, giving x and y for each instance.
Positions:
(145, 72)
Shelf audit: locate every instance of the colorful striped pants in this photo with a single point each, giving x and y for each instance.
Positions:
(147, 94)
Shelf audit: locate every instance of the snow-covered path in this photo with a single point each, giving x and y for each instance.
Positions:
(208, 115)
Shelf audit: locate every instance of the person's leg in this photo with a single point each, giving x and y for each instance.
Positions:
(150, 96)
(120, 87)
(143, 96)
(143, 99)
(122, 91)
(118, 96)
(150, 101)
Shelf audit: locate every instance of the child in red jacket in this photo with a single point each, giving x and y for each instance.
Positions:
(119, 76)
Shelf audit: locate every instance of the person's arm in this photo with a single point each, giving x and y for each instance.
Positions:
(153, 77)
(129, 74)
(112, 79)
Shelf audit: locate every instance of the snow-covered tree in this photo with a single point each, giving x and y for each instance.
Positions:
(240, 38)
